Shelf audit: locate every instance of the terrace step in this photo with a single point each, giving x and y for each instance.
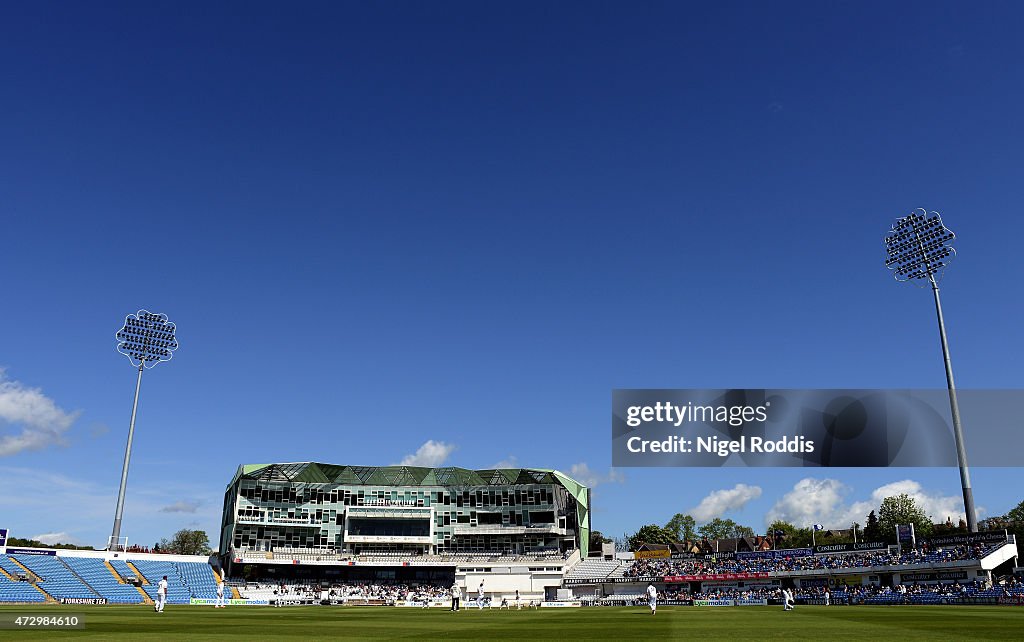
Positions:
(137, 572)
(31, 576)
(120, 580)
(49, 598)
(145, 596)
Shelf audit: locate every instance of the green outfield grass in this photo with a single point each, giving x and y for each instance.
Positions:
(610, 623)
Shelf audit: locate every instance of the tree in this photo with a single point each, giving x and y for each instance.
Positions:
(719, 528)
(186, 542)
(682, 527)
(649, 534)
(792, 537)
(902, 509)
(1016, 514)
(34, 543)
(744, 531)
(872, 531)
(596, 539)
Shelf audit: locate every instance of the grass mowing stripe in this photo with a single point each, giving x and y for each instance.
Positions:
(605, 623)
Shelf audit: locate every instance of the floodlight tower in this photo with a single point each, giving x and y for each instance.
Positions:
(918, 249)
(146, 339)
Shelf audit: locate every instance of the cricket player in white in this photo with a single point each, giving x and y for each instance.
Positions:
(161, 595)
(480, 596)
(220, 594)
(456, 594)
(652, 598)
(787, 600)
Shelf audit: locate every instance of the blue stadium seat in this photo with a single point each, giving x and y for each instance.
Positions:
(16, 591)
(99, 577)
(57, 578)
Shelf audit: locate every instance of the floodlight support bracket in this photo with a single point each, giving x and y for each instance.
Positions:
(116, 533)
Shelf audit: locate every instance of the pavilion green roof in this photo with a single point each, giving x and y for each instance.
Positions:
(319, 473)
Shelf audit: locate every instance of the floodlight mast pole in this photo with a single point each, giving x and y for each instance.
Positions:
(954, 409)
(146, 339)
(923, 262)
(116, 534)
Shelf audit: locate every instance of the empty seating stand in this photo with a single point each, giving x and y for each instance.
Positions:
(177, 590)
(99, 577)
(199, 579)
(16, 591)
(56, 578)
(124, 570)
(593, 568)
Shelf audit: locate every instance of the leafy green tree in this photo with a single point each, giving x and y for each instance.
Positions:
(902, 509)
(596, 539)
(719, 528)
(1016, 514)
(872, 531)
(744, 531)
(34, 543)
(682, 527)
(186, 542)
(649, 534)
(792, 537)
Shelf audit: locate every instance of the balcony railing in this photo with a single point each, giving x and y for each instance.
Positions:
(503, 529)
(281, 521)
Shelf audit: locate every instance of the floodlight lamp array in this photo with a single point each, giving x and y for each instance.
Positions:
(147, 338)
(918, 246)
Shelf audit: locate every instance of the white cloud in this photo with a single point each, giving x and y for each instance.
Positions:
(56, 538)
(719, 502)
(581, 472)
(42, 422)
(824, 501)
(181, 507)
(936, 506)
(813, 501)
(431, 454)
(508, 462)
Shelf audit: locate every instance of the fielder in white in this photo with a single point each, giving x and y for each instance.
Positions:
(652, 598)
(161, 595)
(480, 596)
(787, 600)
(220, 594)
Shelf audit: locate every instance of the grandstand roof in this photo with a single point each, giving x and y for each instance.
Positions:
(319, 473)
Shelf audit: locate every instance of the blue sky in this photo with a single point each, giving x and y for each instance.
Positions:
(444, 233)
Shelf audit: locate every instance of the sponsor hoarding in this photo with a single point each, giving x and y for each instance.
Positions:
(199, 601)
(989, 537)
(850, 548)
(848, 580)
(777, 554)
(933, 576)
(718, 576)
(663, 554)
(29, 551)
